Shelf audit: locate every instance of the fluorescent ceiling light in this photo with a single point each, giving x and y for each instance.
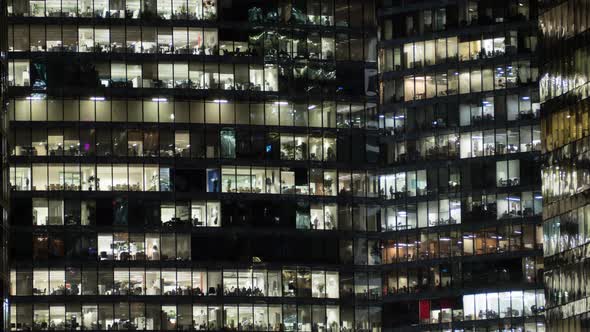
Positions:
(35, 97)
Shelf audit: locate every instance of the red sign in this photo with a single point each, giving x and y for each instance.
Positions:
(424, 309)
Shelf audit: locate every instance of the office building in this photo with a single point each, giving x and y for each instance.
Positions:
(194, 165)
(459, 167)
(565, 125)
(317, 165)
(4, 203)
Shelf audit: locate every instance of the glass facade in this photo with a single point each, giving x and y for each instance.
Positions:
(461, 199)
(196, 165)
(4, 182)
(294, 165)
(566, 138)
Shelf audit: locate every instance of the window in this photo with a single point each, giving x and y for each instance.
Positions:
(508, 173)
